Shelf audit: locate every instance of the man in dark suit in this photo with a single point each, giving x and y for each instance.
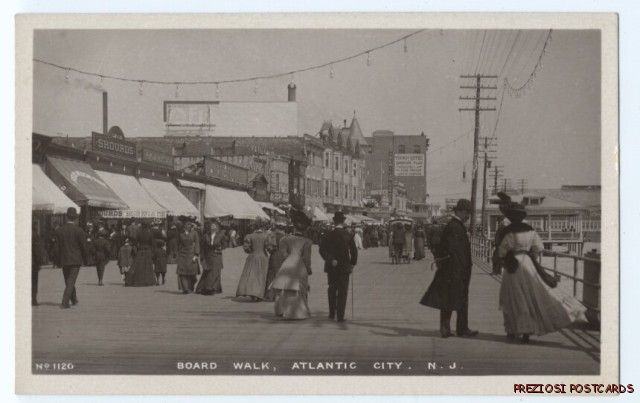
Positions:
(449, 290)
(72, 253)
(340, 255)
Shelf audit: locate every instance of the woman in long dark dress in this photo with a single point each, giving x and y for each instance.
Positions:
(188, 252)
(212, 246)
(275, 261)
(141, 273)
(418, 241)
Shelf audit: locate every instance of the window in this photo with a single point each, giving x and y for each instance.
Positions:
(355, 194)
(346, 166)
(402, 149)
(346, 191)
(354, 168)
(337, 189)
(416, 149)
(326, 187)
(326, 159)
(337, 168)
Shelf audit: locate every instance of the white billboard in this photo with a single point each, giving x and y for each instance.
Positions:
(408, 165)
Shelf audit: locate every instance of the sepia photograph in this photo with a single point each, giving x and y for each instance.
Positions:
(407, 201)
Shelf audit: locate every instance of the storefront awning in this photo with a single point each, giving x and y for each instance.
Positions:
(190, 184)
(169, 197)
(221, 202)
(352, 219)
(82, 184)
(46, 195)
(140, 204)
(319, 215)
(270, 206)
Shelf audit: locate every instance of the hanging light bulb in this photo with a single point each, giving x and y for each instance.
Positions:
(140, 91)
(405, 48)
(291, 78)
(331, 72)
(217, 90)
(177, 90)
(66, 75)
(368, 58)
(255, 87)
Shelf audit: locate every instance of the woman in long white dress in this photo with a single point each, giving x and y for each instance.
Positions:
(291, 283)
(528, 304)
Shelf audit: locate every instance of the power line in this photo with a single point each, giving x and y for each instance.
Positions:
(366, 52)
(451, 142)
(484, 35)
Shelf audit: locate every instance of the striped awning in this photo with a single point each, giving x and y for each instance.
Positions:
(46, 196)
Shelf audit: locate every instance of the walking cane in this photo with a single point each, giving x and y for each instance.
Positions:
(352, 295)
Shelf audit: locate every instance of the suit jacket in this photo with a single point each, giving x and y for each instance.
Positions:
(102, 249)
(339, 245)
(449, 288)
(72, 245)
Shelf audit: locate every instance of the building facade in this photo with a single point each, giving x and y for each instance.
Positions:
(343, 166)
(397, 158)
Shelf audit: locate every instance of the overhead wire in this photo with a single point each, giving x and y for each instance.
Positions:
(366, 52)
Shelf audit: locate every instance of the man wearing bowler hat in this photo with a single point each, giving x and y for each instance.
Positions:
(449, 290)
(72, 253)
(340, 255)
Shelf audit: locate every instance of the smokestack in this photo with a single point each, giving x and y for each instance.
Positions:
(105, 113)
(291, 92)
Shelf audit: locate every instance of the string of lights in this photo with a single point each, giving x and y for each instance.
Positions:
(141, 82)
(517, 91)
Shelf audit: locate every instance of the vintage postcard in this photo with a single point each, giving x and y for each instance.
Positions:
(317, 204)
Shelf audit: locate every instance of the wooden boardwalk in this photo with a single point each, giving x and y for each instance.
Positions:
(148, 330)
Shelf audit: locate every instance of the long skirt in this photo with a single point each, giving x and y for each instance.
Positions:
(210, 282)
(529, 306)
(141, 272)
(291, 304)
(419, 252)
(186, 282)
(275, 261)
(253, 280)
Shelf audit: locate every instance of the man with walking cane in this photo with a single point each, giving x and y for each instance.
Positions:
(338, 249)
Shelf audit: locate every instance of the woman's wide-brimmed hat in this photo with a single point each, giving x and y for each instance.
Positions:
(300, 217)
(339, 217)
(515, 212)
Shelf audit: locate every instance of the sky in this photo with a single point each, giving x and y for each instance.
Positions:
(548, 133)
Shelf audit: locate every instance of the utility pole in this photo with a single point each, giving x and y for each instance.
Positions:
(522, 184)
(489, 143)
(477, 109)
(497, 173)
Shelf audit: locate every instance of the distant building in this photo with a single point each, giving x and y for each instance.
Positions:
(343, 166)
(401, 158)
(226, 118)
(568, 215)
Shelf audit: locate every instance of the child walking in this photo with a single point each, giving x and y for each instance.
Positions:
(125, 257)
(160, 261)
